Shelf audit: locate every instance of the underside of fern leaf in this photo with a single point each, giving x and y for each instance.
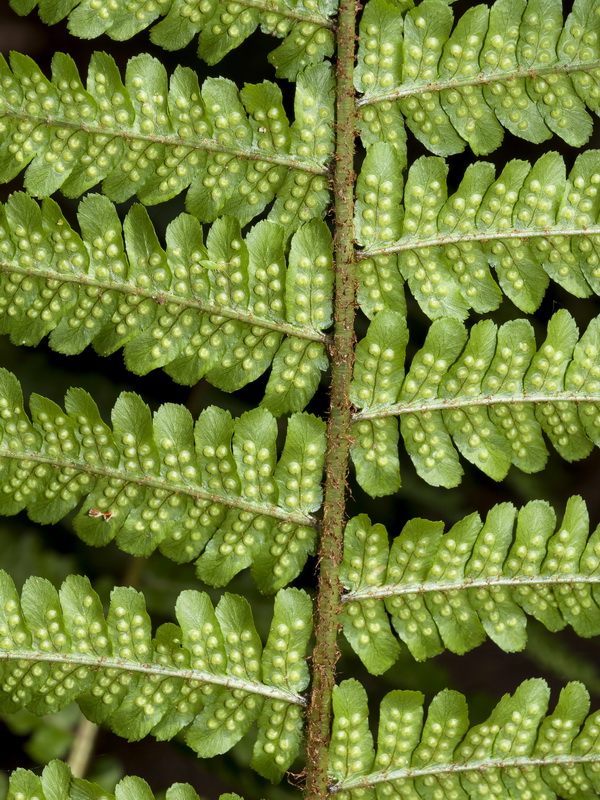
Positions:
(57, 781)
(235, 150)
(521, 750)
(208, 676)
(510, 66)
(530, 223)
(229, 303)
(226, 310)
(452, 590)
(213, 491)
(487, 394)
(305, 25)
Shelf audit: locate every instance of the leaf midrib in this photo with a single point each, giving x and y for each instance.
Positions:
(479, 235)
(465, 583)
(250, 153)
(162, 298)
(104, 662)
(156, 483)
(481, 78)
(450, 403)
(271, 8)
(451, 768)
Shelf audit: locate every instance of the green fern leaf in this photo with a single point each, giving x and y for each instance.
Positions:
(234, 150)
(165, 483)
(365, 622)
(197, 677)
(451, 591)
(379, 67)
(520, 750)
(224, 311)
(378, 370)
(487, 395)
(530, 224)
(57, 781)
(378, 216)
(510, 66)
(305, 25)
(284, 666)
(353, 750)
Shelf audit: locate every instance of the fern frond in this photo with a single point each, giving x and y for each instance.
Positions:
(486, 394)
(208, 676)
(510, 66)
(225, 311)
(452, 590)
(530, 223)
(57, 781)
(214, 488)
(305, 25)
(521, 750)
(235, 150)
